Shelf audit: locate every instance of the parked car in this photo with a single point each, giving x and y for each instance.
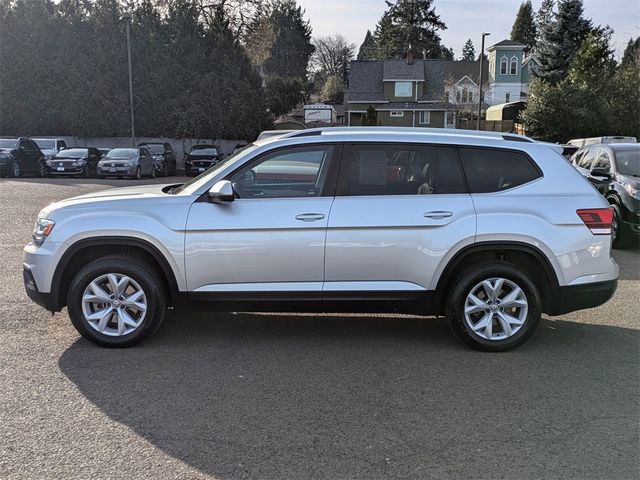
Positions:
(74, 162)
(103, 152)
(583, 142)
(201, 158)
(50, 146)
(127, 162)
(20, 156)
(274, 133)
(569, 150)
(163, 156)
(615, 171)
(387, 222)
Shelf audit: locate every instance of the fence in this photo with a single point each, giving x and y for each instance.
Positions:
(488, 125)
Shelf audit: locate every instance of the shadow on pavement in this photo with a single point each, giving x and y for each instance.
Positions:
(290, 396)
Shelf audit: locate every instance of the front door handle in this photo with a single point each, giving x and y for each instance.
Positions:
(309, 217)
(438, 215)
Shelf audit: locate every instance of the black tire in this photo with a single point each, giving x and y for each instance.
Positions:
(148, 279)
(620, 232)
(14, 169)
(464, 284)
(153, 173)
(43, 170)
(138, 175)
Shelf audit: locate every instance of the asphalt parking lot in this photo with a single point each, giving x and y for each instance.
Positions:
(291, 396)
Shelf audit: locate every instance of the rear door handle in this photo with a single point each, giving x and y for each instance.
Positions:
(309, 217)
(439, 214)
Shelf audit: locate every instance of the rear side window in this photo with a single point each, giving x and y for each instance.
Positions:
(586, 160)
(399, 169)
(490, 170)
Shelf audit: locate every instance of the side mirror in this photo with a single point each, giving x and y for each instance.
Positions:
(601, 174)
(222, 192)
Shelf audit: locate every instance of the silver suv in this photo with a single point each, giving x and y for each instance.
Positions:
(490, 230)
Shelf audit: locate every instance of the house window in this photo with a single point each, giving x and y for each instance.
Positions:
(425, 118)
(470, 97)
(503, 66)
(513, 69)
(446, 97)
(397, 114)
(458, 96)
(507, 97)
(464, 95)
(403, 89)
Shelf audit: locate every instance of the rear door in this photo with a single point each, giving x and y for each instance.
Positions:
(399, 210)
(271, 237)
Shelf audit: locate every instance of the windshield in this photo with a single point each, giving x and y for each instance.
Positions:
(8, 143)
(195, 183)
(72, 153)
(122, 153)
(46, 144)
(155, 149)
(628, 162)
(208, 151)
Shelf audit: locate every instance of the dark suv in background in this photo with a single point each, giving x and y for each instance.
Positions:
(19, 156)
(163, 157)
(201, 158)
(614, 169)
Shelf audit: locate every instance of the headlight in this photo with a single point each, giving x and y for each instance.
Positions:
(634, 192)
(81, 162)
(42, 230)
(127, 164)
(5, 155)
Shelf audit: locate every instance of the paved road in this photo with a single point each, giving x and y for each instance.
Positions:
(299, 397)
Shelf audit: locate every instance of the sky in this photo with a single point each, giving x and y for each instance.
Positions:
(464, 19)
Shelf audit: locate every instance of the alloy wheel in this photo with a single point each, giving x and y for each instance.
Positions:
(16, 169)
(114, 304)
(496, 309)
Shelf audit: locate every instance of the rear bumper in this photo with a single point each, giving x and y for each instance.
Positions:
(579, 297)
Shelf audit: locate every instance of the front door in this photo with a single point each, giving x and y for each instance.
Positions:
(271, 237)
(399, 210)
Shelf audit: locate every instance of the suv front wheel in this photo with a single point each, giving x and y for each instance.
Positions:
(494, 306)
(116, 301)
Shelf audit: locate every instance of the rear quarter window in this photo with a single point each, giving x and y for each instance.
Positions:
(489, 170)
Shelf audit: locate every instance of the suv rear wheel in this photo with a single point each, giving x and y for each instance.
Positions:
(494, 306)
(116, 301)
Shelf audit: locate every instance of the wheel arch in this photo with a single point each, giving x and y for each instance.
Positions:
(89, 249)
(521, 254)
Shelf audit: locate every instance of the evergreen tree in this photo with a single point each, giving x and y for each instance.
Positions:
(468, 51)
(410, 22)
(333, 90)
(524, 28)
(292, 47)
(562, 39)
(544, 20)
(368, 49)
(631, 51)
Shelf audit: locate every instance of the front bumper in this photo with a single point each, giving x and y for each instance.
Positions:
(112, 171)
(65, 170)
(580, 297)
(45, 300)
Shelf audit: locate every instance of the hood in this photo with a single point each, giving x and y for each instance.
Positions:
(90, 200)
(49, 151)
(630, 180)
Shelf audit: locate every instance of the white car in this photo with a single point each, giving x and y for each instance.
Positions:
(491, 230)
(50, 146)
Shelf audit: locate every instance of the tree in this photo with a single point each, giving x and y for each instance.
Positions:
(524, 28)
(369, 48)
(410, 23)
(544, 20)
(284, 94)
(468, 51)
(631, 51)
(370, 118)
(292, 47)
(562, 39)
(332, 56)
(333, 90)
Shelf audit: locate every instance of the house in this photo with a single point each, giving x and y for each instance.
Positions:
(510, 71)
(434, 93)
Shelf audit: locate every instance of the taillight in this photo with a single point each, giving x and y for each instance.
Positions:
(598, 220)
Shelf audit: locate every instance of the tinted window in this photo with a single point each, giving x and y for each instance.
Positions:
(397, 169)
(294, 172)
(602, 161)
(496, 170)
(628, 162)
(586, 160)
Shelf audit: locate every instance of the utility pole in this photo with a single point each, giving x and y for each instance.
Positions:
(481, 80)
(127, 20)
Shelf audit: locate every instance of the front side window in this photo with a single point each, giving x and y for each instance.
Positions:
(489, 170)
(62, 144)
(602, 161)
(390, 169)
(288, 173)
(46, 144)
(586, 160)
(403, 89)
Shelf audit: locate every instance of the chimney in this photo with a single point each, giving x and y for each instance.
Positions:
(409, 55)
